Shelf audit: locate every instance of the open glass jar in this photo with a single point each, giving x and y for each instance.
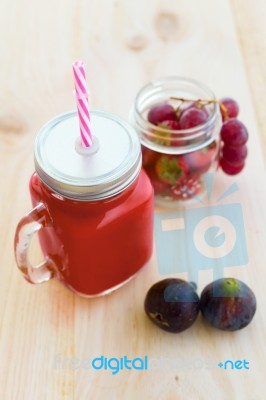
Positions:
(176, 158)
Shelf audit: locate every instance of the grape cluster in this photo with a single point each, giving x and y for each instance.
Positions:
(178, 176)
(234, 136)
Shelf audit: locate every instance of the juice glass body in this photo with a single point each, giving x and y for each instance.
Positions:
(95, 230)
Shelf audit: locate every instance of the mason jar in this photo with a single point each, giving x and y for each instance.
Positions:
(93, 207)
(176, 158)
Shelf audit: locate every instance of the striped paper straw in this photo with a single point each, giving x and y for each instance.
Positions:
(81, 93)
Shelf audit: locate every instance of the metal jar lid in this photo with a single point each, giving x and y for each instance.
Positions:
(102, 171)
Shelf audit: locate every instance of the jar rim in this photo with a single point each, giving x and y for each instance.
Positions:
(153, 88)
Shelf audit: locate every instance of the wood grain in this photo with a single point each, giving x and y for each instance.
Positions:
(251, 30)
(124, 44)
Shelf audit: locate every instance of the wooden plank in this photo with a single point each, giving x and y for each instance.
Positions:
(124, 44)
(251, 30)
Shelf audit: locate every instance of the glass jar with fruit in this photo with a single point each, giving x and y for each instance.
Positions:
(179, 123)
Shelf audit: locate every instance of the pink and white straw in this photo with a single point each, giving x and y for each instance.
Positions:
(82, 95)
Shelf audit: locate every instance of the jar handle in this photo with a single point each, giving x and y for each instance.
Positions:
(33, 222)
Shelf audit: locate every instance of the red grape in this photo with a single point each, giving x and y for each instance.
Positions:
(196, 105)
(231, 108)
(229, 168)
(192, 117)
(234, 133)
(160, 113)
(235, 155)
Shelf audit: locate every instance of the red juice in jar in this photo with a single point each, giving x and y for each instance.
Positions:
(93, 207)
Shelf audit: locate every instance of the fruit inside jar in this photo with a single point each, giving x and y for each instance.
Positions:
(179, 122)
(179, 177)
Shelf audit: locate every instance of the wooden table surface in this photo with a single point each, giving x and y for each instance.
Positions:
(125, 44)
